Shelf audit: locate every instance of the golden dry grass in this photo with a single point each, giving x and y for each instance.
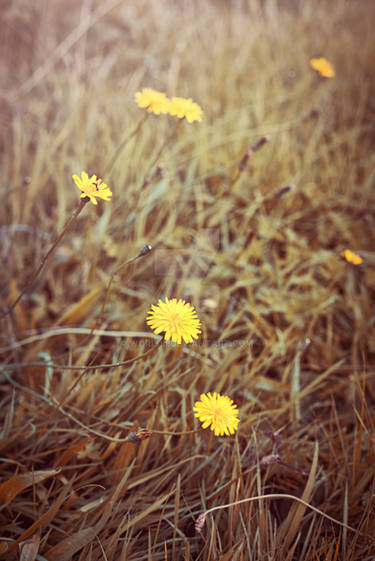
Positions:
(288, 326)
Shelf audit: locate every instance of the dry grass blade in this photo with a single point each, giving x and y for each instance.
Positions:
(65, 550)
(45, 519)
(29, 549)
(16, 484)
(291, 526)
(81, 309)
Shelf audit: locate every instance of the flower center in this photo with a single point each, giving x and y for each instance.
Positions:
(175, 320)
(91, 188)
(217, 414)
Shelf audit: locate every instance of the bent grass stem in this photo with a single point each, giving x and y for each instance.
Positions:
(280, 496)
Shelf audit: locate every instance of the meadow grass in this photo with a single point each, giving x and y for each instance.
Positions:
(247, 213)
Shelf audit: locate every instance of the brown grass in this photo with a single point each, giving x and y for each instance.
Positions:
(288, 326)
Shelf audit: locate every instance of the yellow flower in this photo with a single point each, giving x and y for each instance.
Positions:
(323, 67)
(177, 318)
(217, 412)
(351, 257)
(92, 187)
(182, 107)
(155, 102)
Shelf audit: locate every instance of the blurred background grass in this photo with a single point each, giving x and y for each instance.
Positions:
(288, 327)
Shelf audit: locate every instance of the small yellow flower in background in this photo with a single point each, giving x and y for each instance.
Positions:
(154, 101)
(323, 67)
(92, 187)
(351, 257)
(177, 318)
(217, 412)
(182, 107)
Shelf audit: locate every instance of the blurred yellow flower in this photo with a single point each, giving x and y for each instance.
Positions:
(182, 107)
(323, 67)
(217, 412)
(351, 257)
(92, 187)
(154, 101)
(176, 318)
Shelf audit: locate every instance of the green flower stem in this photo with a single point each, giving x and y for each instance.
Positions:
(209, 445)
(58, 405)
(31, 283)
(53, 403)
(85, 369)
(17, 365)
(169, 138)
(143, 252)
(138, 357)
(177, 433)
(122, 145)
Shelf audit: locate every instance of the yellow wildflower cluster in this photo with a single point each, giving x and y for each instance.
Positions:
(157, 102)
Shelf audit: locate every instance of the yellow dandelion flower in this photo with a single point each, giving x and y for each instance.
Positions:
(351, 257)
(182, 107)
(154, 101)
(217, 412)
(92, 187)
(323, 67)
(176, 318)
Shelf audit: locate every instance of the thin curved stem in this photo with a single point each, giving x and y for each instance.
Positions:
(169, 137)
(144, 251)
(122, 145)
(74, 216)
(280, 496)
